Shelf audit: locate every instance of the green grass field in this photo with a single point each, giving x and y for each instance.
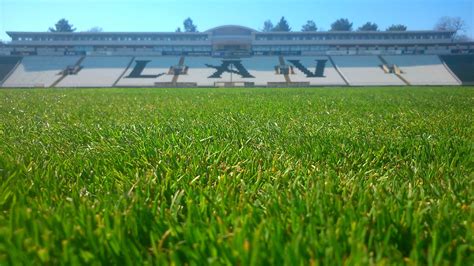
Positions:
(328, 176)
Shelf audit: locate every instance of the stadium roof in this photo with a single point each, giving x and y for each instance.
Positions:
(229, 26)
(223, 29)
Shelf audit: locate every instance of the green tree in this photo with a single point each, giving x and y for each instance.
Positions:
(189, 25)
(397, 27)
(342, 24)
(178, 29)
(95, 29)
(282, 25)
(62, 26)
(267, 26)
(309, 26)
(369, 26)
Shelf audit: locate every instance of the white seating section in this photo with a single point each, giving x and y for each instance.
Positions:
(422, 69)
(97, 71)
(39, 71)
(365, 71)
(157, 66)
(198, 72)
(261, 68)
(150, 71)
(330, 76)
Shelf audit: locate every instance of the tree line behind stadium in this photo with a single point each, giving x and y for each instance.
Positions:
(343, 24)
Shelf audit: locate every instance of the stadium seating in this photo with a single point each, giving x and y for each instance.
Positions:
(262, 70)
(7, 64)
(199, 73)
(330, 76)
(462, 66)
(154, 69)
(422, 69)
(39, 71)
(284, 71)
(258, 71)
(97, 71)
(365, 71)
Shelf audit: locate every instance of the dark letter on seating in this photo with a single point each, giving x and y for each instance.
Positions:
(138, 69)
(230, 66)
(318, 72)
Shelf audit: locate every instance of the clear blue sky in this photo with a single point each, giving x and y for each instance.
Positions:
(167, 15)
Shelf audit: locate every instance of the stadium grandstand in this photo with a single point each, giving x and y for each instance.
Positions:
(231, 56)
